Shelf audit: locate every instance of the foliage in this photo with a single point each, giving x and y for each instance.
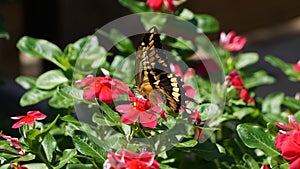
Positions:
(243, 135)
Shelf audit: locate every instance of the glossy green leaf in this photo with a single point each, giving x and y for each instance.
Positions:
(49, 145)
(36, 166)
(68, 154)
(85, 145)
(151, 19)
(34, 96)
(190, 143)
(79, 166)
(41, 48)
(291, 103)
(26, 82)
(207, 23)
(5, 147)
(135, 6)
(27, 157)
(259, 78)
(250, 162)
(285, 67)
(246, 59)
(272, 103)
(255, 137)
(32, 134)
(207, 150)
(70, 92)
(51, 79)
(109, 114)
(121, 42)
(60, 102)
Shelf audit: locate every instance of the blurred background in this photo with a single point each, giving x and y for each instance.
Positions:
(271, 27)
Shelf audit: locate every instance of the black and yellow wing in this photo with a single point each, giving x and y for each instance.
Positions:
(153, 75)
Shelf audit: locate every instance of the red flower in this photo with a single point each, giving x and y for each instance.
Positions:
(292, 126)
(231, 41)
(288, 141)
(130, 160)
(245, 96)
(140, 108)
(234, 79)
(198, 134)
(265, 166)
(297, 66)
(17, 166)
(14, 142)
(289, 146)
(29, 119)
(157, 4)
(105, 88)
(190, 91)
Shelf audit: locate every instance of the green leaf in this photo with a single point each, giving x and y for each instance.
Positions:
(70, 92)
(59, 102)
(68, 154)
(259, 78)
(250, 162)
(35, 166)
(291, 103)
(121, 42)
(207, 151)
(285, 67)
(135, 6)
(151, 19)
(246, 59)
(27, 157)
(32, 134)
(51, 79)
(41, 49)
(4, 35)
(256, 137)
(190, 143)
(26, 82)
(272, 103)
(109, 114)
(207, 23)
(34, 96)
(49, 145)
(79, 166)
(5, 147)
(85, 145)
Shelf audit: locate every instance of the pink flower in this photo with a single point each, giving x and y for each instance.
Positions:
(190, 91)
(198, 134)
(29, 119)
(14, 142)
(231, 41)
(130, 160)
(297, 66)
(140, 108)
(157, 4)
(105, 88)
(17, 166)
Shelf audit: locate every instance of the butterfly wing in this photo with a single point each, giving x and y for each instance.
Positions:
(152, 72)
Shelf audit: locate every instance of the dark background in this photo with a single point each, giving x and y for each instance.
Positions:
(272, 27)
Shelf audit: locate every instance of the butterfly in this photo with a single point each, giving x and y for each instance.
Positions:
(153, 74)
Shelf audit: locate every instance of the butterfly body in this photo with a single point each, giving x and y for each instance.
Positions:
(153, 75)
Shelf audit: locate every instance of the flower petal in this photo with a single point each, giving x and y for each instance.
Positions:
(130, 116)
(148, 119)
